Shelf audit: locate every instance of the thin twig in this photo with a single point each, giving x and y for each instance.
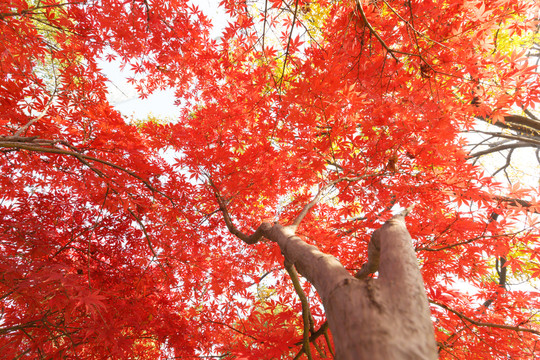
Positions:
(32, 121)
(148, 240)
(264, 25)
(499, 149)
(308, 207)
(288, 45)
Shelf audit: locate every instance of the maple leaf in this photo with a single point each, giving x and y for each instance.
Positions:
(91, 300)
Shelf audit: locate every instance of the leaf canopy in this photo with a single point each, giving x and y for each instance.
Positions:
(112, 239)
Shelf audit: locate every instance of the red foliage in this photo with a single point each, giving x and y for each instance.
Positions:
(110, 249)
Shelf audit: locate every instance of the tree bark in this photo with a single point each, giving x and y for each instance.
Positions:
(387, 318)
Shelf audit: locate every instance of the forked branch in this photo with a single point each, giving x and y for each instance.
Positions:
(323, 330)
(374, 251)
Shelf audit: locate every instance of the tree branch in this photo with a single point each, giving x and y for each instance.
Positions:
(306, 314)
(233, 329)
(494, 149)
(49, 146)
(288, 44)
(480, 323)
(361, 10)
(518, 123)
(517, 202)
(29, 123)
(148, 240)
(520, 138)
(248, 239)
(307, 208)
(323, 330)
(374, 256)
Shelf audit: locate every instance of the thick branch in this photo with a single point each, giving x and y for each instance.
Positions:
(374, 257)
(385, 305)
(374, 251)
(500, 266)
(513, 202)
(518, 123)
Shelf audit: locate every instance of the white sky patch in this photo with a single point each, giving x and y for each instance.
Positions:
(126, 100)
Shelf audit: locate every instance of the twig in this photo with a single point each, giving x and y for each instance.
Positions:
(148, 240)
(308, 207)
(41, 115)
(288, 45)
(493, 134)
(233, 329)
(412, 27)
(506, 164)
(516, 145)
(446, 247)
(264, 26)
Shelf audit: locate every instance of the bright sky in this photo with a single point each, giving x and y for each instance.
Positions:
(125, 99)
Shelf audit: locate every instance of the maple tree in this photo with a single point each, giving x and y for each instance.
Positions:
(305, 126)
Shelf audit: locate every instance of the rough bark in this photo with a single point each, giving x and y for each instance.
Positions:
(387, 318)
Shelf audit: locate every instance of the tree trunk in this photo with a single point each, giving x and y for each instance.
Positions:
(387, 318)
